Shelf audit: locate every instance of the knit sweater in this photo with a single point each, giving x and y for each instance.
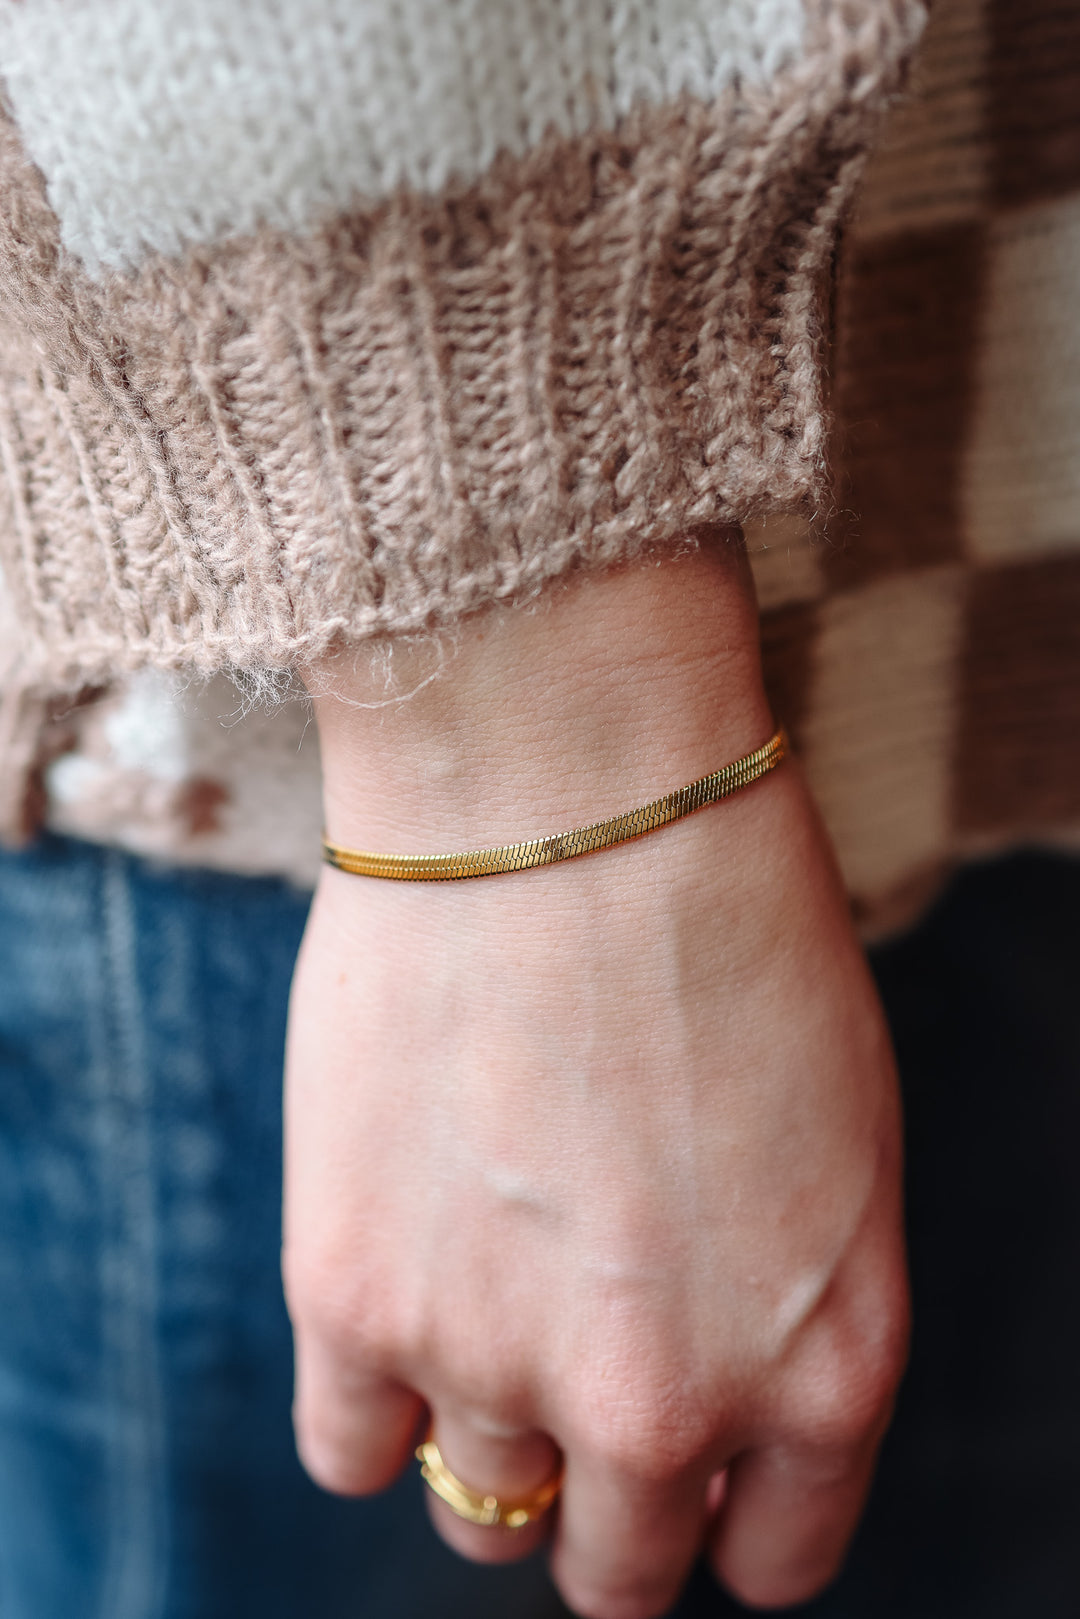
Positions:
(336, 319)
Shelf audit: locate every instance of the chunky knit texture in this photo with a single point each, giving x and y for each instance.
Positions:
(240, 454)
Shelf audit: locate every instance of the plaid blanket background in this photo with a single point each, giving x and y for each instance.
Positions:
(922, 638)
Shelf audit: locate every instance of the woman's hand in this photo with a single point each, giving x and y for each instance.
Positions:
(600, 1159)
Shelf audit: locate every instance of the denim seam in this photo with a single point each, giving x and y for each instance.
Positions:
(136, 1564)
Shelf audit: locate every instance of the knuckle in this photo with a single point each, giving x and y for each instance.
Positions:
(353, 1315)
(845, 1400)
(843, 1392)
(649, 1431)
(332, 1313)
(835, 1421)
(311, 1275)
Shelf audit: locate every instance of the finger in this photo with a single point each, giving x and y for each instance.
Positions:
(788, 1515)
(491, 1460)
(625, 1545)
(355, 1430)
(793, 1501)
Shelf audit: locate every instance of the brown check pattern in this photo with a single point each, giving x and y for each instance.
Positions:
(921, 639)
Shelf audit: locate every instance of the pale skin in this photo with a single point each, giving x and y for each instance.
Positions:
(596, 1163)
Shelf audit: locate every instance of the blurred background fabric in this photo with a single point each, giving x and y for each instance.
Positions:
(936, 608)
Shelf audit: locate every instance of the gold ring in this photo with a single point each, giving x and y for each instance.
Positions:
(485, 1510)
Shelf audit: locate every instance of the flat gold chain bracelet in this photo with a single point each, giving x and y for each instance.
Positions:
(426, 868)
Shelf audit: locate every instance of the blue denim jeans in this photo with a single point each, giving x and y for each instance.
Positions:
(147, 1468)
(146, 1462)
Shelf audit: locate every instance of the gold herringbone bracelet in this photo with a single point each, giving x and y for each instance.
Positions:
(427, 868)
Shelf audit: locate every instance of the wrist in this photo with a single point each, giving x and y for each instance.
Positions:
(613, 689)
